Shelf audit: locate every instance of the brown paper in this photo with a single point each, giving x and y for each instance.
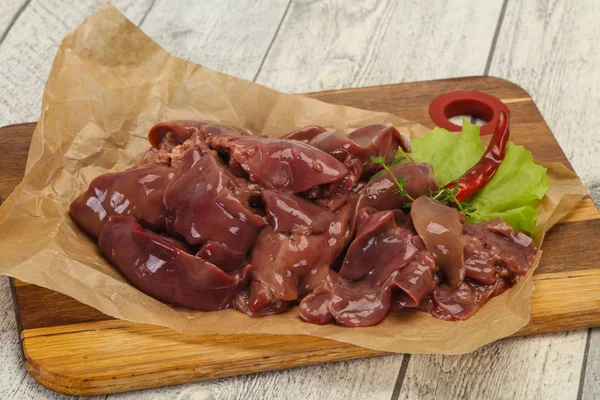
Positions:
(109, 84)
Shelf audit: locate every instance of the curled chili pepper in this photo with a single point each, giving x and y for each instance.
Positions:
(480, 174)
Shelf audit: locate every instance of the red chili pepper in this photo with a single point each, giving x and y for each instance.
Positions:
(480, 174)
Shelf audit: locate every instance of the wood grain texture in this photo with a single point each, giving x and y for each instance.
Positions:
(17, 143)
(339, 380)
(15, 382)
(591, 380)
(10, 10)
(334, 44)
(230, 36)
(518, 368)
(104, 359)
(61, 347)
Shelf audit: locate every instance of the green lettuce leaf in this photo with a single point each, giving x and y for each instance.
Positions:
(449, 155)
(513, 192)
(522, 218)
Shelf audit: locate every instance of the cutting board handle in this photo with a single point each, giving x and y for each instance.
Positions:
(466, 102)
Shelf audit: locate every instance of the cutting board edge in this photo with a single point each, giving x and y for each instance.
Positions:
(499, 80)
(72, 386)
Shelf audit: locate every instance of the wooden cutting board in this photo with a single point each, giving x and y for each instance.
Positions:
(74, 349)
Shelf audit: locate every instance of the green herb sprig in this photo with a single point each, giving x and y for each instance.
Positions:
(443, 195)
(448, 197)
(400, 183)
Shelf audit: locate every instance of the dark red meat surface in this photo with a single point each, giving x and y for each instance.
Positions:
(212, 217)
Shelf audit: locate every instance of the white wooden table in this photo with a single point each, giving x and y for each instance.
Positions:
(548, 47)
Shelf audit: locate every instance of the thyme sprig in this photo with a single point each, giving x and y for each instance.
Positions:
(400, 183)
(443, 195)
(448, 197)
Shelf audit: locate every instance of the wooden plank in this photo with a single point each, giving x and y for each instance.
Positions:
(566, 239)
(591, 379)
(325, 45)
(10, 12)
(587, 210)
(230, 36)
(302, 383)
(15, 143)
(72, 364)
(554, 308)
(66, 310)
(30, 46)
(538, 367)
(15, 382)
(340, 380)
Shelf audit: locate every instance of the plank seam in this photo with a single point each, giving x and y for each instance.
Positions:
(146, 14)
(400, 378)
(12, 22)
(584, 364)
(45, 335)
(272, 41)
(488, 64)
(548, 276)
(389, 85)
